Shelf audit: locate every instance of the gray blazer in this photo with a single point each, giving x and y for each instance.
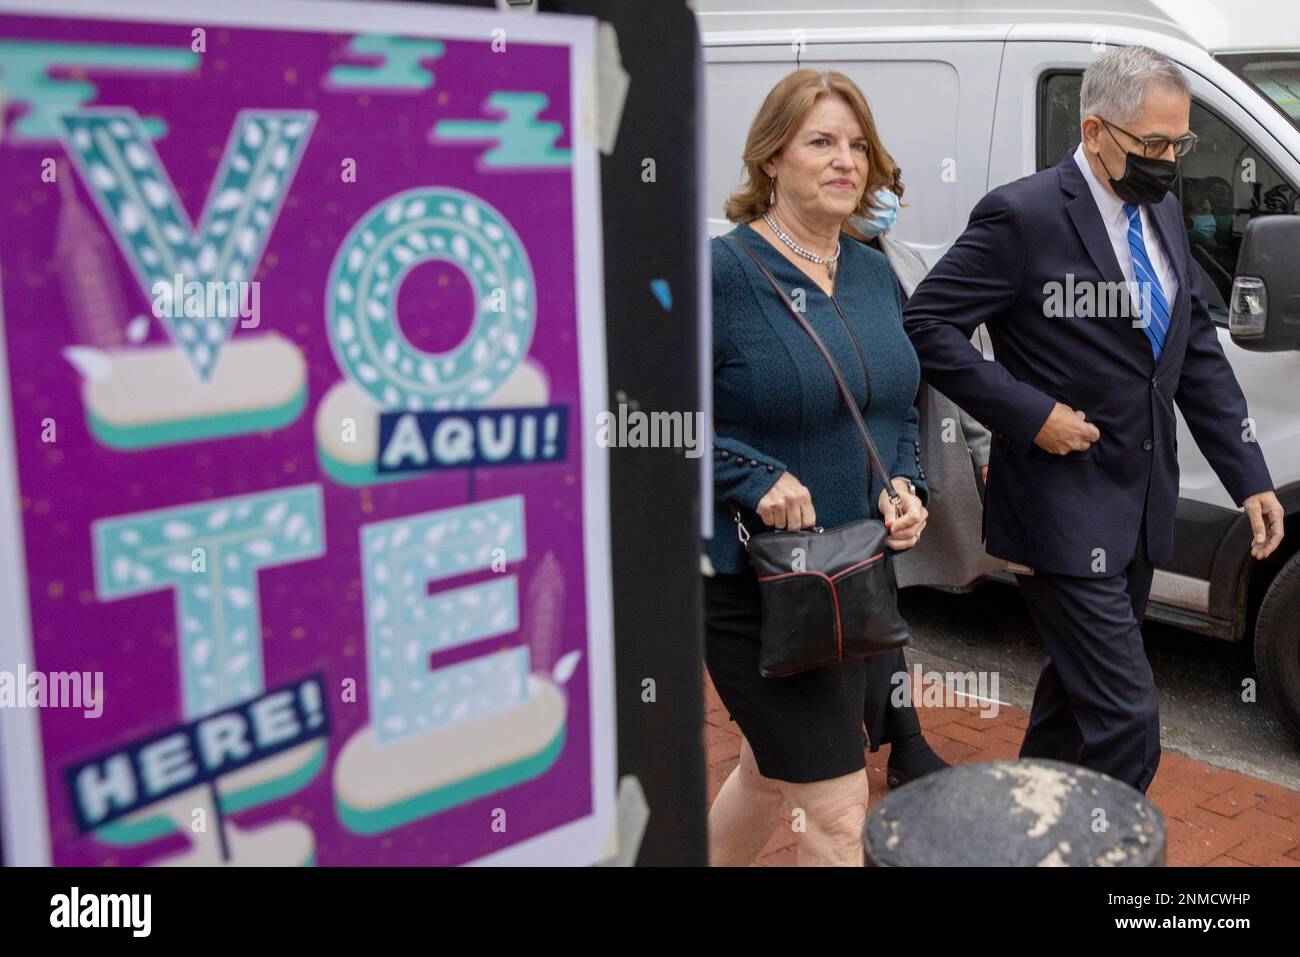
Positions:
(951, 552)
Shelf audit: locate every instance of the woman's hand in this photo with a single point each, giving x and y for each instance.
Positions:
(787, 505)
(904, 531)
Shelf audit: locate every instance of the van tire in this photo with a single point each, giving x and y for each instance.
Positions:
(1277, 646)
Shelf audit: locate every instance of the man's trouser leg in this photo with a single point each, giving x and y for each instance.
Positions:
(1095, 703)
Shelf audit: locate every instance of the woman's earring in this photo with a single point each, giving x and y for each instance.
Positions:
(771, 197)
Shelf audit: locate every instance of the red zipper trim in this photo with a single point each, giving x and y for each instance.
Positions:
(835, 597)
(840, 574)
(773, 578)
(828, 578)
(839, 627)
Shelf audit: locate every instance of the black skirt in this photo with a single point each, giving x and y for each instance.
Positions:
(802, 728)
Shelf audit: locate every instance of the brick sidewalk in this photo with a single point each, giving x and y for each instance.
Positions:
(1214, 817)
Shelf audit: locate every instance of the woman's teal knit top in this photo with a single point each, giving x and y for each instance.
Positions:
(775, 404)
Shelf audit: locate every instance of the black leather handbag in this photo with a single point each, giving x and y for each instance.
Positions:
(828, 595)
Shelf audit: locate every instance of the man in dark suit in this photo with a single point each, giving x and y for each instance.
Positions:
(1083, 276)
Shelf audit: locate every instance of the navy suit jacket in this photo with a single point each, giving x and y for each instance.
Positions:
(1077, 514)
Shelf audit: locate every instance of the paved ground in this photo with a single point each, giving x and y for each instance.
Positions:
(1200, 680)
(1214, 816)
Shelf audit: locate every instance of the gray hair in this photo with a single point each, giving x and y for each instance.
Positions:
(1115, 83)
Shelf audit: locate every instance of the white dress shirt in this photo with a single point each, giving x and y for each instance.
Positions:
(1111, 208)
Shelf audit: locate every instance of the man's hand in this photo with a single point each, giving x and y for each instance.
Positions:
(1066, 430)
(1266, 514)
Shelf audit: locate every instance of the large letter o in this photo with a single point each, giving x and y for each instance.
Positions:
(360, 308)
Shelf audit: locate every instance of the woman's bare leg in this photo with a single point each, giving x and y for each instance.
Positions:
(832, 814)
(744, 813)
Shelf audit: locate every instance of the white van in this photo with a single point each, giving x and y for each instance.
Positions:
(968, 97)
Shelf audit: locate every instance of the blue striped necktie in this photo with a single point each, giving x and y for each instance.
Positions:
(1152, 302)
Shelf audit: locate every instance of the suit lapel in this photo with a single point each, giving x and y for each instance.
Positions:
(1087, 220)
(1083, 212)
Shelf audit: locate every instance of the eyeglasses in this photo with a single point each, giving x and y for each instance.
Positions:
(1153, 146)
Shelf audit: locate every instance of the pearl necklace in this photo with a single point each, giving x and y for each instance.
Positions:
(806, 254)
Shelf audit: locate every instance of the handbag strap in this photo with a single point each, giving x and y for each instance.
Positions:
(873, 457)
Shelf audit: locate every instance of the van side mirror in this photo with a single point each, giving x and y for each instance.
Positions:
(1264, 312)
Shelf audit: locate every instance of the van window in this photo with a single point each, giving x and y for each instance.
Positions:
(1225, 181)
(1276, 75)
(1058, 116)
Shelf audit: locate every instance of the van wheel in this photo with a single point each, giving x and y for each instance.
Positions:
(1277, 645)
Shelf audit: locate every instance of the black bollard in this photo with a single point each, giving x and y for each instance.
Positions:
(1029, 813)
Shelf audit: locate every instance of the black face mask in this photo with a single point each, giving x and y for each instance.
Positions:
(1145, 181)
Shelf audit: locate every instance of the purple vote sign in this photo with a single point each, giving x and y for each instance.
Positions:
(304, 555)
